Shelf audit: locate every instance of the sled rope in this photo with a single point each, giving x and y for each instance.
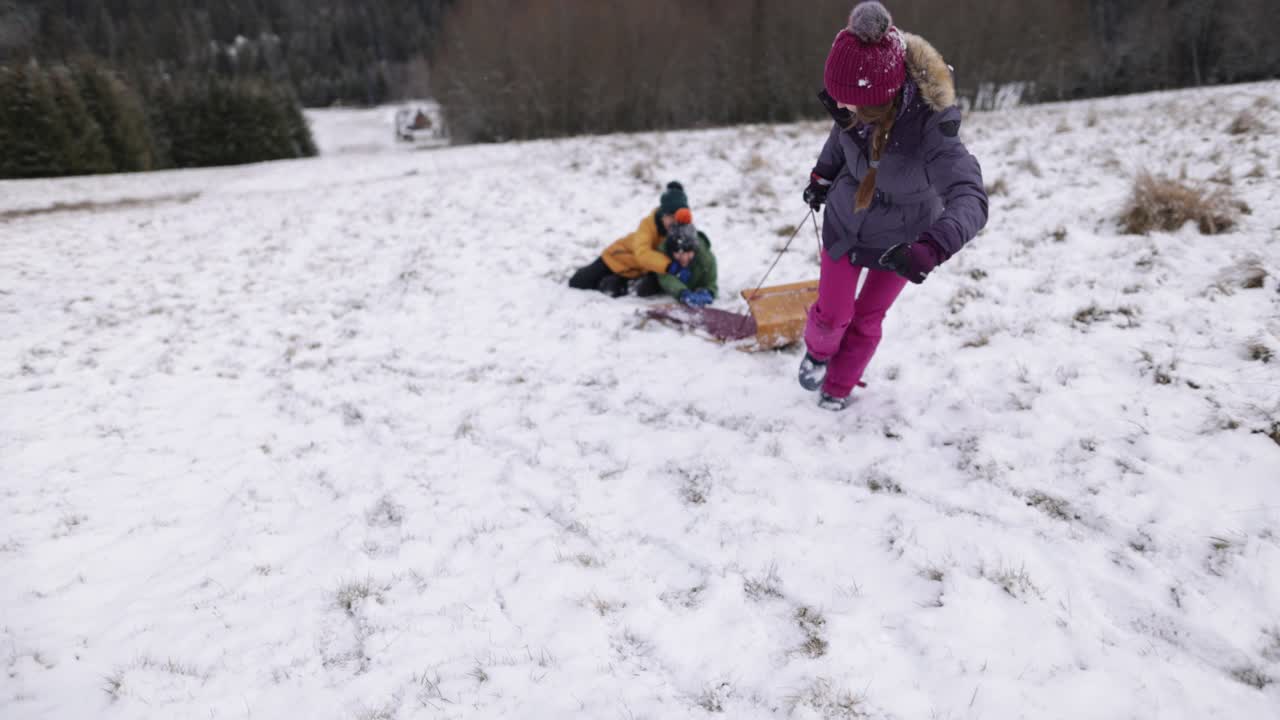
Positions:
(816, 235)
(781, 252)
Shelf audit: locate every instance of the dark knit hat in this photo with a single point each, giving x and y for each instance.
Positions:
(673, 199)
(682, 238)
(867, 62)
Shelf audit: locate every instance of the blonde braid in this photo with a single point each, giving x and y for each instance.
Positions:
(879, 138)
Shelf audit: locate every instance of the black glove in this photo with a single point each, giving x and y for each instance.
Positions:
(816, 193)
(913, 261)
(843, 117)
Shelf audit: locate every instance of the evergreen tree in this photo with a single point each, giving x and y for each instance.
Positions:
(35, 140)
(301, 143)
(84, 150)
(118, 110)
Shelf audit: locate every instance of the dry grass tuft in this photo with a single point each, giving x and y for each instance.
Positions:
(812, 623)
(768, 587)
(1164, 204)
(1252, 676)
(827, 701)
(1259, 351)
(1247, 123)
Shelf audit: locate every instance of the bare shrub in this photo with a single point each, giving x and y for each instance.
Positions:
(999, 187)
(1161, 203)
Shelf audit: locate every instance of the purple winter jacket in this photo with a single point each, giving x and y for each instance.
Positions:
(927, 180)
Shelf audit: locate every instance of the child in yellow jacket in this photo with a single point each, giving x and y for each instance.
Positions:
(640, 254)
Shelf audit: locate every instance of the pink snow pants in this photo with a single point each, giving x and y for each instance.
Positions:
(844, 324)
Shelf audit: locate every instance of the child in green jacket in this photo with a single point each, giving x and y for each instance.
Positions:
(691, 278)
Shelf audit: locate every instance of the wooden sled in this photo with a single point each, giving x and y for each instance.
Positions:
(776, 317)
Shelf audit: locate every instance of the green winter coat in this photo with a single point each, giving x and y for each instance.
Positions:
(702, 270)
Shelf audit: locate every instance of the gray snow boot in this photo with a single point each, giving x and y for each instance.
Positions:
(834, 404)
(812, 372)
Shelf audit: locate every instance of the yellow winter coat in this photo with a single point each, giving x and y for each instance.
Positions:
(638, 253)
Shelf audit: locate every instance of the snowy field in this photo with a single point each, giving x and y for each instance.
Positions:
(332, 439)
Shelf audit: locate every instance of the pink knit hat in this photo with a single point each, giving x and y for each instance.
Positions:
(867, 63)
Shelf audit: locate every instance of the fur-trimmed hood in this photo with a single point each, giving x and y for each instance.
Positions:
(930, 73)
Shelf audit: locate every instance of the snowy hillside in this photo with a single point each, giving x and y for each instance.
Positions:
(332, 439)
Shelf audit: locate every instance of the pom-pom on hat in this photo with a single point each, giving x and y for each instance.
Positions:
(673, 199)
(867, 62)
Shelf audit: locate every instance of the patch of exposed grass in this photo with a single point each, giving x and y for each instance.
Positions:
(933, 573)
(878, 481)
(828, 702)
(1271, 644)
(385, 513)
(604, 607)
(695, 484)
(1055, 507)
(1221, 550)
(1162, 373)
(351, 594)
(1272, 432)
(86, 206)
(1260, 352)
(1016, 583)
(712, 699)
(689, 598)
(1126, 315)
(811, 623)
(1252, 676)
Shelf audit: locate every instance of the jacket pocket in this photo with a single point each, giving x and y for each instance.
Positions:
(884, 227)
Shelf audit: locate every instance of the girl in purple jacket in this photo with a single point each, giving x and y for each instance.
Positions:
(902, 192)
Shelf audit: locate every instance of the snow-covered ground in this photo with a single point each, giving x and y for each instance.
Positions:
(332, 439)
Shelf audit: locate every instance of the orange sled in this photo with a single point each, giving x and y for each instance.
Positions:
(776, 317)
